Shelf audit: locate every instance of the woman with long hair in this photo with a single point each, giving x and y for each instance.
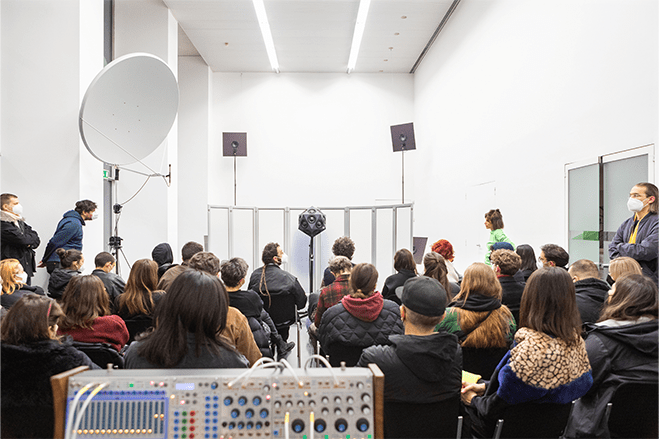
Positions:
(71, 262)
(445, 248)
(622, 266)
(548, 363)
(187, 329)
(14, 285)
(370, 317)
(622, 348)
(435, 266)
(32, 353)
(138, 302)
(405, 267)
(529, 264)
(494, 223)
(87, 315)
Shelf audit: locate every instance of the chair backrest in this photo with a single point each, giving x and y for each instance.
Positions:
(281, 308)
(432, 420)
(634, 411)
(533, 420)
(482, 361)
(137, 325)
(339, 352)
(101, 354)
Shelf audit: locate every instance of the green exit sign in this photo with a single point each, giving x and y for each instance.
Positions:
(106, 174)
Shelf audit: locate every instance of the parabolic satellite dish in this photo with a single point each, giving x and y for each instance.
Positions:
(129, 109)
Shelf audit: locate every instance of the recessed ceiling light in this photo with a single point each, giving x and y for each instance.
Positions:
(267, 35)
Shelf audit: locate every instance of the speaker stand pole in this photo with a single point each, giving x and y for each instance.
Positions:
(403, 174)
(234, 179)
(311, 256)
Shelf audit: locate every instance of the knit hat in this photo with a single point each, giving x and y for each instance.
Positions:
(424, 295)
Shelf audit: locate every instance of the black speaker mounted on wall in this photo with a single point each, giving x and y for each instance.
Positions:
(311, 221)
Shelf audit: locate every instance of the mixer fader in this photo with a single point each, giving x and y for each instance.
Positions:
(268, 403)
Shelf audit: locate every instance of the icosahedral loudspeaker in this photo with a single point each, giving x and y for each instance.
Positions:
(311, 221)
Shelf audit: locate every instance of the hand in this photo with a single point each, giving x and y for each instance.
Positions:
(470, 390)
(41, 264)
(467, 396)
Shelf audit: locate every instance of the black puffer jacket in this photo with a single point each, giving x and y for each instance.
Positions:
(419, 369)
(27, 398)
(58, 281)
(617, 354)
(249, 303)
(591, 294)
(339, 326)
(8, 300)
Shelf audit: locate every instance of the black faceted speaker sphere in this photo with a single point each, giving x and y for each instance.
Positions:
(311, 221)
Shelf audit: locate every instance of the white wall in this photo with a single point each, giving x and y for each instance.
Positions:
(152, 216)
(47, 66)
(193, 142)
(511, 92)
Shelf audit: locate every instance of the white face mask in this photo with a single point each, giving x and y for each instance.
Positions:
(94, 216)
(18, 210)
(81, 268)
(284, 258)
(22, 277)
(635, 205)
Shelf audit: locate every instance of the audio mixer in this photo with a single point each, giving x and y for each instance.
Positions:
(266, 403)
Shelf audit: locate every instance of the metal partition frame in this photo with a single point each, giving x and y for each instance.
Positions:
(286, 211)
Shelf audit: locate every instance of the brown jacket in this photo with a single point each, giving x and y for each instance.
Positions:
(239, 334)
(166, 280)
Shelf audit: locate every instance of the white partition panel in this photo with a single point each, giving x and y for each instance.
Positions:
(378, 231)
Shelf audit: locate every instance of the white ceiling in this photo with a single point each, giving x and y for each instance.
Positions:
(309, 35)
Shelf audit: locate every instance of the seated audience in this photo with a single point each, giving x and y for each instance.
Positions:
(188, 325)
(405, 268)
(529, 265)
(87, 315)
(445, 248)
(552, 255)
(548, 363)
(622, 348)
(187, 251)
(14, 285)
(138, 302)
(332, 294)
(114, 284)
(247, 302)
(71, 262)
(270, 281)
(362, 319)
(31, 354)
(163, 256)
(591, 291)
(237, 329)
(624, 265)
(434, 265)
(506, 263)
(420, 366)
(343, 246)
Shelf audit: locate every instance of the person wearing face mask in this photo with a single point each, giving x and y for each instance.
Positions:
(72, 263)
(68, 234)
(270, 280)
(14, 283)
(18, 239)
(638, 236)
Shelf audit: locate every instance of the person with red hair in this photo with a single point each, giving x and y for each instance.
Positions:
(444, 248)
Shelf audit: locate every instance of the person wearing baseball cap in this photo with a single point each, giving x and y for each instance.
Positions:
(421, 366)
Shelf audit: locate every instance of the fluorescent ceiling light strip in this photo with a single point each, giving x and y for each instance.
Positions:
(362, 13)
(267, 35)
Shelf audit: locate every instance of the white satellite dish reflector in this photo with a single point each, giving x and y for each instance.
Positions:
(129, 109)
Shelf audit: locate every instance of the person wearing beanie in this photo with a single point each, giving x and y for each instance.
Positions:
(421, 366)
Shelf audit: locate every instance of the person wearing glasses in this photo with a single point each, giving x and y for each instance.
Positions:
(114, 284)
(552, 255)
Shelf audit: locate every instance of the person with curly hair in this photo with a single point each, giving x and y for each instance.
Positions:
(445, 248)
(494, 223)
(343, 246)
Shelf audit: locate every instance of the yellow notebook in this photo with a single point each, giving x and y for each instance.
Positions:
(468, 377)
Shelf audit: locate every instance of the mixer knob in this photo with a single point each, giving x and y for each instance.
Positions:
(350, 411)
(366, 397)
(289, 403)
(362, 424)
(337, 411)
(366, 410)
(319, 425)
(360, 385)
(325, 400)
(298, 426)
(312, 403)
(341, 425)
(337, 400)
(300, 403)
(350, 400)
(325, 411)
(277, 404)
